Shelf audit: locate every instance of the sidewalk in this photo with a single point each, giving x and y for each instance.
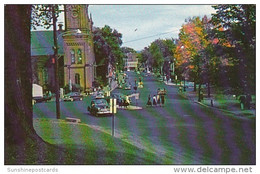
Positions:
(130, 107)
(223, 103)
(169, 83)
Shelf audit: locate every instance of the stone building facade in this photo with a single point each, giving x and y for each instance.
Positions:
(79, 58)
(76, 51)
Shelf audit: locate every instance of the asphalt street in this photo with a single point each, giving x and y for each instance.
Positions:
(181, 132)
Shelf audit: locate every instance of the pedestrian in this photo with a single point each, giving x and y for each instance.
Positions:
(248, 100)
(125, 104)
(154, 101)
(162, 100)
(164, 91)
(242, 100)
(167, 78)
(149, 103)
(158, 100)
(158, 91)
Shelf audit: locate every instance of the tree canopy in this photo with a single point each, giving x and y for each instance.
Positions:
(236, 25)
(107, 42)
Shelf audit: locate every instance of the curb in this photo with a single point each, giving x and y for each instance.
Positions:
(222, 110)
(131, 107)
(169, 84)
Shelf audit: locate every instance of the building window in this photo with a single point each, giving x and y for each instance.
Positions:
(72, 55)
(79, 56)
(77, 79)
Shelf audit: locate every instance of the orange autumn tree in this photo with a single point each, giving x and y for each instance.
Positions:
(190, 52)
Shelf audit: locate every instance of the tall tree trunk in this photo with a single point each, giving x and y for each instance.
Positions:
(194, 86)
(199, 93)
(18, 76)
(208, 89)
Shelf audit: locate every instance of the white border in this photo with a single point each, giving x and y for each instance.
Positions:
(119, 169)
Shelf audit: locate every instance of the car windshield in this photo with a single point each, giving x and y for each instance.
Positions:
(73, 93)
(101, 102)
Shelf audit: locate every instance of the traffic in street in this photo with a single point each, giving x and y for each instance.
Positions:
(178, 132)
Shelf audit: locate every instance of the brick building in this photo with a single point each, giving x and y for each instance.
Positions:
(131, 62)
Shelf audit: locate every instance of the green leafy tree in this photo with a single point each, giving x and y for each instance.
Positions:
(107, 50)
(146, 58)
(126, 50)
(158, 52)
(236, 25)
(41, 15)
(157, 55)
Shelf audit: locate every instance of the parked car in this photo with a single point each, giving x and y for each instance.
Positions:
(189, 84)
(121, 99)
(99, 107)
(159, 77)
(73, 96)
(47, 97)
(119, 86)
(127, 86)
(100, 94)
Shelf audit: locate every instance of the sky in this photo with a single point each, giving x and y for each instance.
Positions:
(136, 22)
(140, 25)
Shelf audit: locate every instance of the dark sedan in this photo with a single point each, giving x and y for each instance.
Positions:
(73, 96)
(99, 107)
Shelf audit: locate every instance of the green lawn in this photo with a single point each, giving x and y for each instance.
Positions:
(85, 145)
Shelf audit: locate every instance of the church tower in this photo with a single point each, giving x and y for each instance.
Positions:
(79, 58)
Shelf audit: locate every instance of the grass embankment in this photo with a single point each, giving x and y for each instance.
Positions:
(70, 143)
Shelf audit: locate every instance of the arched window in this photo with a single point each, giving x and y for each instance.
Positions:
(79, 56)
(72, 55)
(77, 79)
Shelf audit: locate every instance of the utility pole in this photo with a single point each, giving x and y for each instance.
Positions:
(56, 65)
(113, 118)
